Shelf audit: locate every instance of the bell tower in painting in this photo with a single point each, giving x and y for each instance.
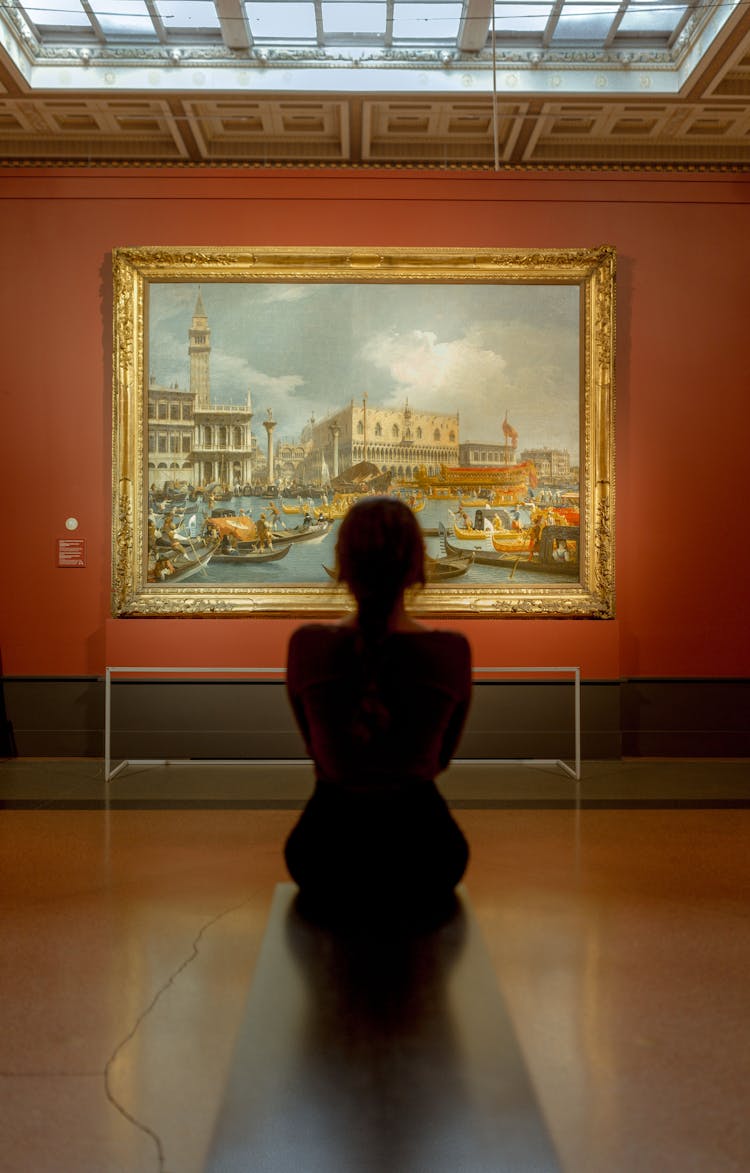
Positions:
(199, 350)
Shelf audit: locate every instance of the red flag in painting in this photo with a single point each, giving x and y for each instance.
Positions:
(509, 431)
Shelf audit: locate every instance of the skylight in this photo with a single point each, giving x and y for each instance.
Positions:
(192, 15)
(354, 19)
(429, 23)
(395, 45)
(376, 22)
(286, 22)
(60, 14)
(521, 18)
(118, 18)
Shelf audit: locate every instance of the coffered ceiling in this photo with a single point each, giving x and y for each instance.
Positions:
(376, 82)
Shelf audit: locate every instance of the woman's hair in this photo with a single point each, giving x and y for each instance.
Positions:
(379, 554)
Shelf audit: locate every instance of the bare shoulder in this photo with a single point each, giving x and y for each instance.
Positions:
(313, 633)
(445, 650)
(455, 643)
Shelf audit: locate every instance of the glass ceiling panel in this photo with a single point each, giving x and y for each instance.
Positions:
(588, 20)
(521, 18)
(187, 14)
(122, 17)
(354, 18)
(63, 14)
(646, 16)
(282, 22)
(426, 22)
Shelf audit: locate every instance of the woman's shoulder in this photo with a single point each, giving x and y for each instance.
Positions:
(452, 644)
(313, 639)
(315, 633)
(441, 637)
(432, 640)
(438, 650)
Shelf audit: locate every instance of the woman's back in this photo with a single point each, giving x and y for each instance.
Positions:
(380, 701)
(372, 717)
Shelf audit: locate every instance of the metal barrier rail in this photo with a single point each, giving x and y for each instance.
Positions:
(109, 773)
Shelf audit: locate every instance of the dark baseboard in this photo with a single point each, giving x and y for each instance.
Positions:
(8, 747)
(685, 718)
(64, 717)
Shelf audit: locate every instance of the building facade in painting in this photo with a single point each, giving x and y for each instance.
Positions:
(170, 434)
(223, 440)
(193, 439)
(552, 464)
(484, 453)
(189, 437)
(398, 440)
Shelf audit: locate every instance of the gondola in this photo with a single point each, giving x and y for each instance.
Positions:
(184, 566)
(439, 569)
(543, 561)
(243, 557)
(482, 557)
(301, 533)
(469, 534)
(436, 569)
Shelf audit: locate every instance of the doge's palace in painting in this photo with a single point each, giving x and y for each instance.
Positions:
(396, 439)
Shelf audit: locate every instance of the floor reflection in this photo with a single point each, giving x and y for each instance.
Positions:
(374, 1049)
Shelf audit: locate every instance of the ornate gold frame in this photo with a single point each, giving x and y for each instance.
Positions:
(592, 270)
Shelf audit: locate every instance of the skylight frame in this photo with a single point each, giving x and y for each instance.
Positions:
(158, 32)
(547, 37)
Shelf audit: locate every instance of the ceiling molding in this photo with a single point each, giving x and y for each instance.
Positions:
(444, 117)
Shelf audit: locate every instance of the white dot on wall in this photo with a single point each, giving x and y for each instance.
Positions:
(71, 523)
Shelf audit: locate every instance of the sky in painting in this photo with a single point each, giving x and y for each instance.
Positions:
(308, 349)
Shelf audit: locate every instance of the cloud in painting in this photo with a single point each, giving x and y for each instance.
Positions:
(232, 377)
(528, 370)
(287, 294)
(462, 374)
(290, 397)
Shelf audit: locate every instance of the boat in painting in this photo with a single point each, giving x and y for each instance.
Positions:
(241, 557)
(173, 566)
(557, 552)
(302, 533)
(437, 570)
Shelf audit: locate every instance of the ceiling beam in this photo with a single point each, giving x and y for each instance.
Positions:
(475, 25)
(234, 28)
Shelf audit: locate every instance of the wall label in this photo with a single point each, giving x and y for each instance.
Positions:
(71, 552)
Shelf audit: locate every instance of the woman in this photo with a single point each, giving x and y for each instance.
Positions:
(380, 701)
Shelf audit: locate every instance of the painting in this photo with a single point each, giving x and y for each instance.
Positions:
(258, 393)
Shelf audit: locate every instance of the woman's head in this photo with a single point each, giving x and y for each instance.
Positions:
(379, 553)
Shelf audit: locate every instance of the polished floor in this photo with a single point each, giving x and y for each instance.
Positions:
(616, 915)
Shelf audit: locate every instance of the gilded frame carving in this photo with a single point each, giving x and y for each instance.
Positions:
(591, 271)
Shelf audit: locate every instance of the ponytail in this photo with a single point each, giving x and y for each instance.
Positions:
(379, 553)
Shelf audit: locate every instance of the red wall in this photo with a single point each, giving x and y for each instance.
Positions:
(683, 394)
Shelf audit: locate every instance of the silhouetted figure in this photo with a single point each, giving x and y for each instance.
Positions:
(380, 701)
